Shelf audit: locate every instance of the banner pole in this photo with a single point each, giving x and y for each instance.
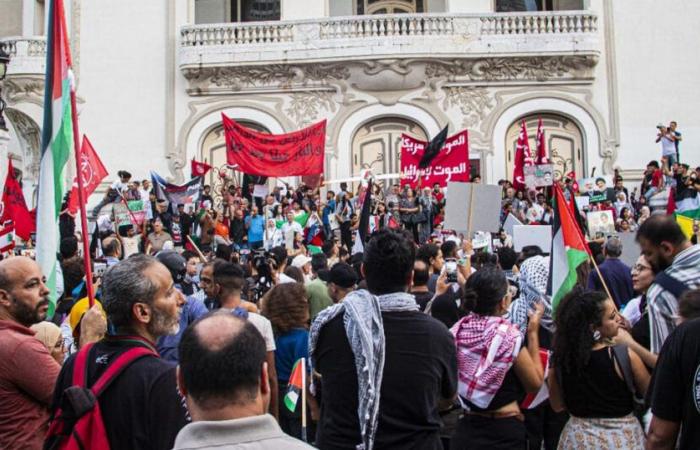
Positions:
(82, 201)
(303, 400)
(602, 281)
(199, 252)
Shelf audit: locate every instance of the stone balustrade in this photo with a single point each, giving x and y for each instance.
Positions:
(27, 55)
(375, 37)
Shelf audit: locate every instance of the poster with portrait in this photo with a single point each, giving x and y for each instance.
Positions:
(598, 189)
(539, 175)
(600, 224)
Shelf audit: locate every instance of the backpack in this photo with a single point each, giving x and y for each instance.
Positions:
(78, 424)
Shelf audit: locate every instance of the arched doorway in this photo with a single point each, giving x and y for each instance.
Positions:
(563, 138)
(24, 150)
(377, 144)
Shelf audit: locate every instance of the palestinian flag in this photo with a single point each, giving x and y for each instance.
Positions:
(56, 144)
(685, 220)
(569, 250)
(297, 381)
(301, 219)
(536, 399)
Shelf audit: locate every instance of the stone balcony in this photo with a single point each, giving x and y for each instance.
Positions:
(26, 70)
(27, 55)
(499, 47)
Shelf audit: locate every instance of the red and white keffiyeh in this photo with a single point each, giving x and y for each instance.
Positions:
(486, 349)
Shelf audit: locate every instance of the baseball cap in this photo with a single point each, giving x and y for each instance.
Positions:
(175, 263)
(300, 261)
(77, 312)
(343, 275)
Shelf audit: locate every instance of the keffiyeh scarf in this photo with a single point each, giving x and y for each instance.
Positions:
(534, 273)
(365, 331)
(486, 349)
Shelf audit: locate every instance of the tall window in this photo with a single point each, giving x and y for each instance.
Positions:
(538, 5)
(222, 11)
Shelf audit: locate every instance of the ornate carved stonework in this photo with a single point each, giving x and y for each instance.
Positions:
(474, 102)
(18, 89)
(207, 80)
(304, 107)
(517, 69)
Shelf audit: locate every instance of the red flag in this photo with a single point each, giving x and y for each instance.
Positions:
(199, 169)
(275, 155)
(522, 158)
(541, 150)
(14, 207)
(92, 171)
(671, 206)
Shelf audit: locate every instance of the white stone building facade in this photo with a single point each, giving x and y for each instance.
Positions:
(154, 77)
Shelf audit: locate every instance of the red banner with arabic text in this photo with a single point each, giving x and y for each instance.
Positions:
(452, 164)
(275, 155)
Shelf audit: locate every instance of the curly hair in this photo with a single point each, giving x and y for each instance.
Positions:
(287, 307)
(578, 311)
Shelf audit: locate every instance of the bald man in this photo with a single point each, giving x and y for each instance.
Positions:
(27, 371)
(223, 375)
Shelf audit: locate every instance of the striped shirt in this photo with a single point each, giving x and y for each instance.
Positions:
(663, 306)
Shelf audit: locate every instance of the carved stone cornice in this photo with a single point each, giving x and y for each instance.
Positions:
(516, 69)
(17, 89)
(215, 80)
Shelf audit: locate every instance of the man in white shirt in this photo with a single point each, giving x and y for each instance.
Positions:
(115, 190)
(668, 144)
(228, 280)
(289, 228)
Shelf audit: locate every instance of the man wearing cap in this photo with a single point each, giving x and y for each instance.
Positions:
(303, 262)
(27, 370)
(616, 274)
(192, 310)
(342, 280)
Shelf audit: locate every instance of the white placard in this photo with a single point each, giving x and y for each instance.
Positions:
(510, 222)
(539, 235)
(260, 190)
(472, 207)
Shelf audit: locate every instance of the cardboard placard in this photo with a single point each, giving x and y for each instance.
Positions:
(260, 190)
(510, 222)
(539, 235)
(540, 175)
(600, 224)
(630, 248)
(472, 207)
(582, 202)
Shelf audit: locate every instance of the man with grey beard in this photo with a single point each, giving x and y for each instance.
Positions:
(141, 408)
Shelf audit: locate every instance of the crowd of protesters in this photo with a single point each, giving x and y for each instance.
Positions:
(417, 338)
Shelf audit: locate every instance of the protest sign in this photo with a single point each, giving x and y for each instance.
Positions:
(260, 190)
(630, 248)
(472, 207)
(540, 175)
(275, 155)
(598, 189)
(600, 224)
(582, 202)
(510, 222)
(451, 164)
(127, 214)
(539, 235)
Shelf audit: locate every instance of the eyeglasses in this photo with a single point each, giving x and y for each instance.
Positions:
(640, 268)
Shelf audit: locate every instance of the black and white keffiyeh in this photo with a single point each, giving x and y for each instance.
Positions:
(365, 331)
(534, 273)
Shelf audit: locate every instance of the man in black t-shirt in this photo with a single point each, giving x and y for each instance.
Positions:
(141, 408)
(419, 369)
(675, 391)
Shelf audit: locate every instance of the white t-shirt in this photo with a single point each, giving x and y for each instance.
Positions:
(265, 328)
(288, 230)
(668, 147)
(131, 245)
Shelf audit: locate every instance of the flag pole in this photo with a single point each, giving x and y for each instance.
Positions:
(82, 201)
(602, 281)
(303, 400)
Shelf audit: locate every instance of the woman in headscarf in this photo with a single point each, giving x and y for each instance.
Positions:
(592, 379)
(495, 369)
(50, 335)
(621, 202)
(644, 213)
